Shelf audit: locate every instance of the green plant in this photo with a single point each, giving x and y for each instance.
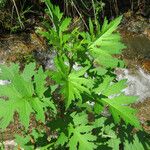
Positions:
(82, 9)
(21, 20)
(2, 3)
(23, 93)
(82, 86)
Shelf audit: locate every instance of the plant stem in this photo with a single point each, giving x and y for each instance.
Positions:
(21, 24)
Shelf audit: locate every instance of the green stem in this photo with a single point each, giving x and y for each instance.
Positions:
(21, 24)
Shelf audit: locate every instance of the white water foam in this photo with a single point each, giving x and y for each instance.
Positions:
(138, 83)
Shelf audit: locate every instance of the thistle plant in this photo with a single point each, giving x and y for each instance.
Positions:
(82, 88)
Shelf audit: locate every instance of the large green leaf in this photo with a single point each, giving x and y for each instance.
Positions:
(61, 140)
(135, 144)
(73, 84)
(76, 85)
(109, 88)
(24, 93)
(80, 134)
(23, 142)
(119, 108)
(107, 44)
(117, 102)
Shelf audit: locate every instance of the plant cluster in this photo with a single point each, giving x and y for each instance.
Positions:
(79, 104)
(18, 15)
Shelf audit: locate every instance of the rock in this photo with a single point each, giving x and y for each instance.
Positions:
(146, 65)
(135, 23)
(9, 144)
(147, 32)
(21, 47)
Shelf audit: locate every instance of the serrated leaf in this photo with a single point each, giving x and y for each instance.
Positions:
(23, 142)
(47, 102)
(39, 79)
(7, 72)
(79, 118)
(99, 122)
(114, 143)
(28, 71)
(109, 88)
(134, 144)
(80, 134)
(98, 108)
(76, 85)
(38, 106)
(105, 24)
(9, 113)
(110, 133)
(73, 84)
(104, 85)
(109, 28)
(118, 105)
(115, 88)
(107, 45)
(24, 109)
(62, 139)
(64, 25)
(119, 108)
(83, 137)
(21, 95)
(99, 70)
(57, 12)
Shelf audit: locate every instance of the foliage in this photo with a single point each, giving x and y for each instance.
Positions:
(82, 89)
(23, 92)
(2, 3)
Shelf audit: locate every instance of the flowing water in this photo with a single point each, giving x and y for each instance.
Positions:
(137, 73)
(138, 82)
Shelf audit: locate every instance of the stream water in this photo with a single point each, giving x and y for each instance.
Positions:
(138, 82)
(137, 57)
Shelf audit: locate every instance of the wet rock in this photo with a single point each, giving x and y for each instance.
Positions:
(135, 23)
(146, 65)
(21, 47)
(138, 46)
(143, 113)
(9, 144)
(147, 32)
(24, 48)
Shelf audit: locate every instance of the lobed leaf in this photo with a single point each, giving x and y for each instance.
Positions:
(25, 94)
(72, 84)
(107, 45)
(119, 109)
(80, 134)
